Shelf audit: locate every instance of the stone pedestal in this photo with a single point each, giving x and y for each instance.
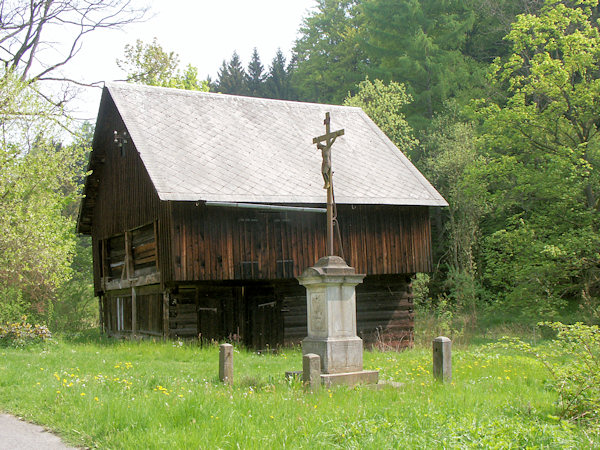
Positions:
(331, 309)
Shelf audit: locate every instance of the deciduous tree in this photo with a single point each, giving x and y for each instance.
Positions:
(152, 65)
(385, 105)
(542, 144)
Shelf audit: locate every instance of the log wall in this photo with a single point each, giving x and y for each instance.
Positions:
(384, 312)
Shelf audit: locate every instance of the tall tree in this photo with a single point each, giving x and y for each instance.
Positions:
(329, 62)
(543, 151)
(450, 158)
(37, 184)
(256, 76)
(38, 175)
(231, 78)
(493, 20)
(277, 84)
(419, 42)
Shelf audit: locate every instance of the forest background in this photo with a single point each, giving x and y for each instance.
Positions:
(497, 102)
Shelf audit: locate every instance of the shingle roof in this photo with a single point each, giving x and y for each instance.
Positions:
(214, 147)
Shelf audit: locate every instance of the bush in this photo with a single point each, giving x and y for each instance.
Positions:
(572, 360)
(21, 334)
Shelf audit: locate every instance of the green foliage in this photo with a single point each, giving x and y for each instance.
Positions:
(572, 361)
(449, 158)
(150, 64)
(384, 104)
(329, 61)
(540, 249)
(493, 18)
(554, 87)
(22, 334)
(277, 83)
(232, 78)
(419, 43)
(75, 308)
(38, 183)
(256, 76)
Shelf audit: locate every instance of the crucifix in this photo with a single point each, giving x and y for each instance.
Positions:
(324, 144)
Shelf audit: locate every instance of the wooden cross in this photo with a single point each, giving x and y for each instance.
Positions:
(324, 144)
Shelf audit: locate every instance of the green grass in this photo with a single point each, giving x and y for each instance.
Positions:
(115, 394)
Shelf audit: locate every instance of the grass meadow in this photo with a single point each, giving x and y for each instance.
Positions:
(142, 394)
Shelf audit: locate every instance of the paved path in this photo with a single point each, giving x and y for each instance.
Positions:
(16, 434)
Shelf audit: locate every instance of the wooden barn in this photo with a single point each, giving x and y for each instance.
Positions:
(203, 208)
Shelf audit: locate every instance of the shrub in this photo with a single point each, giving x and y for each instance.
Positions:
(21, 334)
(572, 360)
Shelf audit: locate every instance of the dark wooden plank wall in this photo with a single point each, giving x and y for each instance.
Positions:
(125, 198)
(213, 243)
(247, 314)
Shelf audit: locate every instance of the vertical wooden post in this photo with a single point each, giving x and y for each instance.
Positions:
(330, 219)
(311, 371)
(101, 313)
(129, 255)
(442, 358)
(156, 244)
(133, 311)
(165, 317)
(226, 363)
(104, 266)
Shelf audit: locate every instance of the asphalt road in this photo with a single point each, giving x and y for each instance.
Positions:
(16, 434)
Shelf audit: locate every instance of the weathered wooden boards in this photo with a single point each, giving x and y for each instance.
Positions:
(210, 243)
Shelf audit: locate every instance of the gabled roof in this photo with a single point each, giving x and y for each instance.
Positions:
(200, 146)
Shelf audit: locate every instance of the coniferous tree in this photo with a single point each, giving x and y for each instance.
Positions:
(256, 76)
(278, 84)
(329, 62)
(419, 43)
(232, 78)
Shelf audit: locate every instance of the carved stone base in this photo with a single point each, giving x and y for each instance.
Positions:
(338, 355)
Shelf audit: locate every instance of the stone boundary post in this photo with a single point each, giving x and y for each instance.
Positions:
(226, 363)
(311, 371)
(442, 359)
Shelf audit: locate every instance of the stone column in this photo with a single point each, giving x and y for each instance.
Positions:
(331, 308)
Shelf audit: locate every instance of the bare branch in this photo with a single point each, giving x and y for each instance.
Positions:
(22, 26)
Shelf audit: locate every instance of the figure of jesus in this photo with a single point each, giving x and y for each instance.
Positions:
(326, 165)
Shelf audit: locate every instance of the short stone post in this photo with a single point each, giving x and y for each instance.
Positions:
(311, 371)
(226, 363)
(442, 358)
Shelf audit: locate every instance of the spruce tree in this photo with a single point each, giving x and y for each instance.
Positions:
(256, 76)
(278, 81)
(329, 62)
(232, 78)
